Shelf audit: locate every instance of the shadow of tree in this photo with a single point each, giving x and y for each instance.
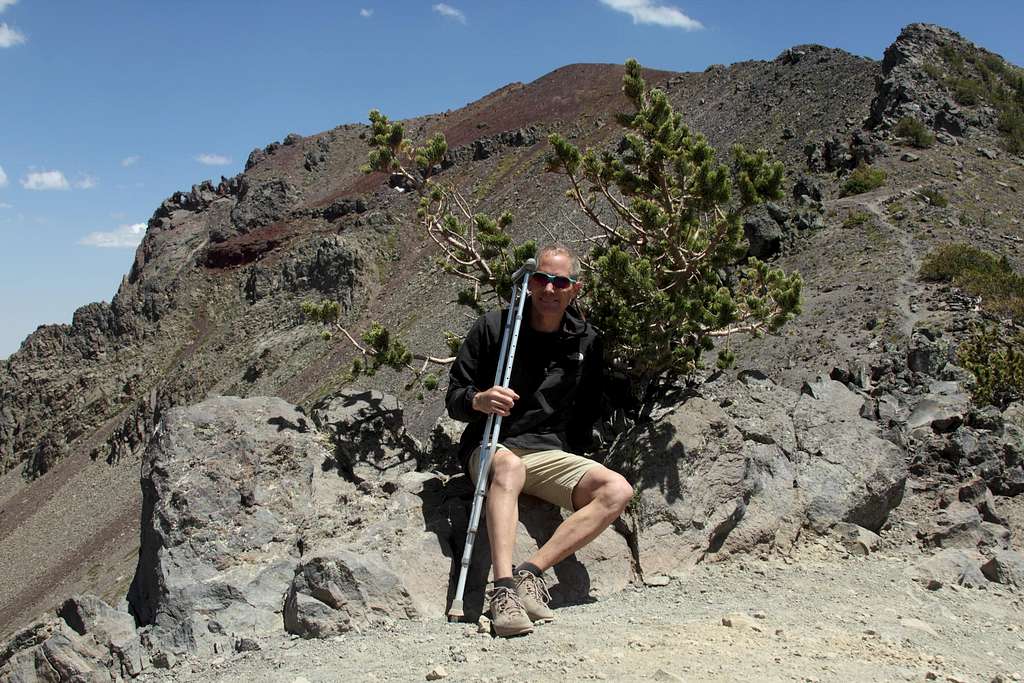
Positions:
(283, 423)
(373, 437)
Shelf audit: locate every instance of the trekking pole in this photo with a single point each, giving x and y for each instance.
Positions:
(509, 339)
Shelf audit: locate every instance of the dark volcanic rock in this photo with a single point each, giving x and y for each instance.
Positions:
(260, 205)
(764, 233)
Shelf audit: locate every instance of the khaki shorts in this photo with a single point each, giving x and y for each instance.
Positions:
(550, 475)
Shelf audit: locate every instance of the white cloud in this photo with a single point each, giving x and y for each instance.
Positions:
(124, 237)
(5, 205)
(4, 4)
(3, 177)
(45, 180)
(213, 159)
(86, 182)
(130, 161)
(9, 37)
(366, 13)
(450, 12)
(647, 12)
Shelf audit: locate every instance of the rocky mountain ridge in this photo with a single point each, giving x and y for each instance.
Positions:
(210, 308)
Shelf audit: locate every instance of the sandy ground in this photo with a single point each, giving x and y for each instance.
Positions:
(820, 615)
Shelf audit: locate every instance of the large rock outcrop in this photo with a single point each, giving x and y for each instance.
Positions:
(226, 490)
(748, 464)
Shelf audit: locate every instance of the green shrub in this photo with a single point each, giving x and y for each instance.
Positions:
(326, 311)
(856, 220)
(864, 179)
(954, 58)
(914, 132)
(967, 91)
(976, 78)
(1011, 125)
(996, 360)
(935, 197)
(933, 71)
(979, 274)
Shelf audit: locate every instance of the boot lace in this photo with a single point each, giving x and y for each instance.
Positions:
(534, 586)
(506, 600)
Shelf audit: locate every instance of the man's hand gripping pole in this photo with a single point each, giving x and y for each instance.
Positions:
(509, 339)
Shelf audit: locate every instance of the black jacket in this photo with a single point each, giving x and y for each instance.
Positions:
(559, 377)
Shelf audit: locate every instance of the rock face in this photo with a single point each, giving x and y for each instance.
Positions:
(226, 489)
(908, 88)
(749, 464)
(91, 641)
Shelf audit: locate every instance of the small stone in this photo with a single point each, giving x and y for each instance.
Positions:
(164, 660)
(246, 645)
(760, 615)
(662, 675)
(656, 580)
(907, 156)
(931, 676)
(483, 625)
(437, 673)
(740, 621)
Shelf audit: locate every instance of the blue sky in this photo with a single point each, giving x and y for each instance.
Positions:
(110, 106)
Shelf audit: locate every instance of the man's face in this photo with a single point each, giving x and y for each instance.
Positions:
(547, 300)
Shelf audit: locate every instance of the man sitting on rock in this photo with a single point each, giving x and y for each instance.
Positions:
(548, 413)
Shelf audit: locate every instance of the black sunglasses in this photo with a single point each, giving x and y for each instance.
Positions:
(541, 279)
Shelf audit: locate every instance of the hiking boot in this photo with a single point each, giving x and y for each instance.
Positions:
(508, 616)
(534, 594)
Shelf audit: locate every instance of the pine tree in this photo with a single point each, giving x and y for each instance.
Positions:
(667, 277)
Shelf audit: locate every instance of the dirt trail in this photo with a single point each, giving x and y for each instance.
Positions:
(906, 251)
(821, 615)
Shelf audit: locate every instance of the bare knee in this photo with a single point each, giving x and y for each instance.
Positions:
(508, 471)
(616, 494)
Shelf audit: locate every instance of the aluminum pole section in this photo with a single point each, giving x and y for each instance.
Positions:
(502, 375)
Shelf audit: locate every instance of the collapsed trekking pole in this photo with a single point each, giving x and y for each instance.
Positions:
(492, 428)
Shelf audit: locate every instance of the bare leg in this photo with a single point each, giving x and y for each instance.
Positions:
(599, 498)
(507, 478)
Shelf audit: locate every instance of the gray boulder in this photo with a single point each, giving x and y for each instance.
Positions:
(856, 539)
(339, 589)
(961, 526)
(928, 352)
(91, 641)
(1006, 567)
(52, 651)
(940, 414)
(763, 232)
(748, 465)
(950, 566)
(226, 489)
